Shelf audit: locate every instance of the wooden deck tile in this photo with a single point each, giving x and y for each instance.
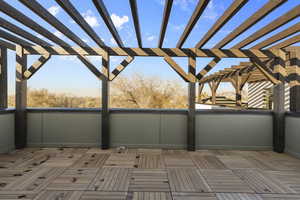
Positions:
(62, 160)
(149, 196)
(290, 179)
(91, 161)
(111, 179)
(8, 176)
(179, 161)
(260, 182)
(73, 179)
(238, 196)
(280, 196)
(208, 162)
(96, 195)
(59, 195)
(36, 161)
(187, 180)
(236, 162)
(17, 195)
(225, 181)
(146, 161)
(35, 181)
(155, 180)
(122, 160)
(193, 196)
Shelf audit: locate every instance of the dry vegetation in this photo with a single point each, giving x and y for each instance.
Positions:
(137, 91)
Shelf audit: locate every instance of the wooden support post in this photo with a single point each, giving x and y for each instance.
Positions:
(200, 89)
(191, 131)
(238, 90)
(3, 78)
(214, 84)
(278, 109)
(294, 77)
(21, 99)
(105, 139)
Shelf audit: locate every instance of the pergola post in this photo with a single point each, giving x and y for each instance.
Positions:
(200, 89)
(105, 129)
(278, 109)
(21, 99)
(3, 78)
(238, 90)
(295, 81)
(191, 131)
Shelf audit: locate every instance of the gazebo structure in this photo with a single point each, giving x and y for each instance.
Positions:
(210, 172)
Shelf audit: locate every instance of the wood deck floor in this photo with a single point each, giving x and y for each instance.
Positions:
(94, 174)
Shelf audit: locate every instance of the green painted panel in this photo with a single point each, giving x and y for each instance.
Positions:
(7, 132)
(292, 135)
(234, 131)
(135, 129)
(34, 129)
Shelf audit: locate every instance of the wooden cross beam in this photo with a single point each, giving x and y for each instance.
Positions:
(256, 17)
(36, 66)
(135, 16)
(7, 45)
(227, 15)
(165, 21)
(177, 69)
(120, 67)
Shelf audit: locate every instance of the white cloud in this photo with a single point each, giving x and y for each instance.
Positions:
(113, 41)
(54, 10)
(58, 34)
(151, 38)
(90, 18)
(119, 21)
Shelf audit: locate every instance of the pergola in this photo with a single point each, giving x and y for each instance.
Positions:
(278, 63)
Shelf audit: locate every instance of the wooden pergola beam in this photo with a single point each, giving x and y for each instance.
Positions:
(227, 15)
(277, 37)
(77, 17)
(257, 16)
(38, 9)
(14, 39)
(208, 67)
(165, 21)
(287, 42)
(158, 52)
(36, 66)
(192, 21)
(18, 31)
(120, 67)
(287, 17)
(108, 22)
(7, 45)
(177, 69)
(135, 16)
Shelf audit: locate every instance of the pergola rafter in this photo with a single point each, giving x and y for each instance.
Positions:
(266, 62)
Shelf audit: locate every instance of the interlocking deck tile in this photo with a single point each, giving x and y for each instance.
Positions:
(17, 195)
(149, 196)
(193, 196)
(260, 182)
(59, 195)
(208, 162)
(280, 196)
(121, 160)
(111, 179)
(187, 180)
(146, 161)
(179, 161)
(225, 181)
(35, 181)
(73, 179)
(96, 195)
(155, 180)
(238, 196)
(290, 179)
(236, 162)
(91, 161)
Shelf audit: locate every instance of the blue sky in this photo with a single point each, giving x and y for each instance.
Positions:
(67, 74)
